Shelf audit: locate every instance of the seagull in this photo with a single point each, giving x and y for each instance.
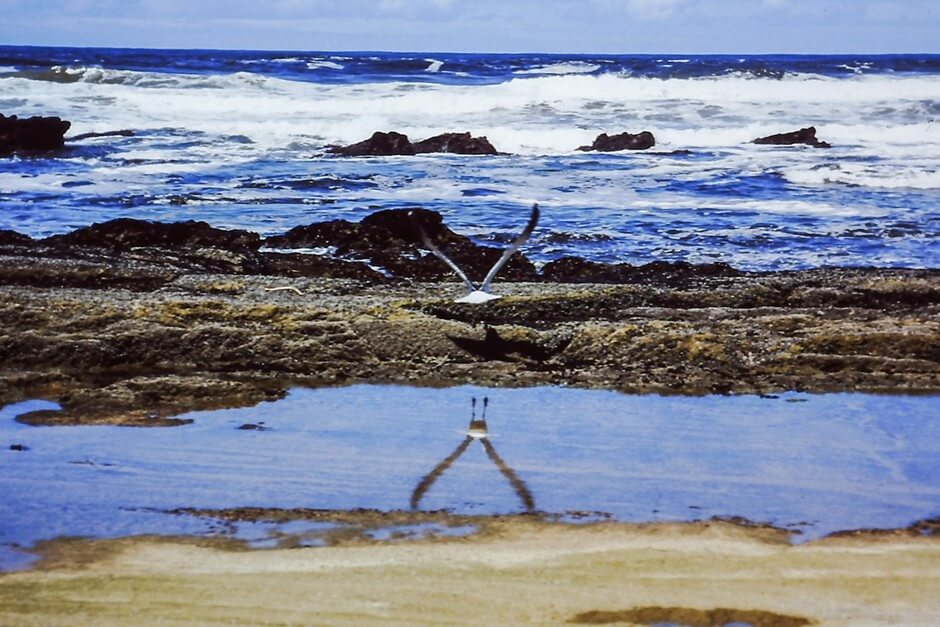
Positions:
(478, 295)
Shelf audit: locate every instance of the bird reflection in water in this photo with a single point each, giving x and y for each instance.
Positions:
(476, 431)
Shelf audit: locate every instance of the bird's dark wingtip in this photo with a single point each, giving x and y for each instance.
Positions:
(533, 217)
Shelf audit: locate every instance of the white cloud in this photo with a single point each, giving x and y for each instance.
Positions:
(654, 9)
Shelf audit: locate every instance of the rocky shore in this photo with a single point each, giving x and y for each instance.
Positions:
(135, 323)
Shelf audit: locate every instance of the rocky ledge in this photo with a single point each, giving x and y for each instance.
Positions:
(124, 325)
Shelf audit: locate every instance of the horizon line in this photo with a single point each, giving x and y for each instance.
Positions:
(464, 52)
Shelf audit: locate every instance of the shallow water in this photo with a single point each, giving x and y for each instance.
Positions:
(811, 463)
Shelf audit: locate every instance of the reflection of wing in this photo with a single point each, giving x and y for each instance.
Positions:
(437, 252)
(425, 484)
(526, 232)
(522, 490)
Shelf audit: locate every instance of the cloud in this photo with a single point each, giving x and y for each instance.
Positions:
(622, 26)
(654, 9)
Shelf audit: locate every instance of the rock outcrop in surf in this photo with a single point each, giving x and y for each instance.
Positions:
(381, 144)
(394, 143)
(31, 135)
(803, 136)
(457, 143)
(622, 141)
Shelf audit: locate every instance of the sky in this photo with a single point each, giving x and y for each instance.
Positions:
(572, 26)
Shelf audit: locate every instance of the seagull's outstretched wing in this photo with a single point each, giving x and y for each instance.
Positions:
(526, 232)
(426, 241)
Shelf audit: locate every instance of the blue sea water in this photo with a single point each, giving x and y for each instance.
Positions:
(238, 138)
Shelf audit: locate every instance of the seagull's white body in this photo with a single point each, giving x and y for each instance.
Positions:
(479, 295)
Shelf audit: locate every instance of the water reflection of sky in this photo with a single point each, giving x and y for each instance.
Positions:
(818, 463)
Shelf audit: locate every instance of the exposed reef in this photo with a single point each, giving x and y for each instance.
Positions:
(393, 143)
(622, 141)
(132, 322)
(803, 136)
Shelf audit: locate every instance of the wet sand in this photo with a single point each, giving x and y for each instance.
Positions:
(515, 572)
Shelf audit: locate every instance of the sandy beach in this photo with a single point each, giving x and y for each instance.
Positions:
(512, 573)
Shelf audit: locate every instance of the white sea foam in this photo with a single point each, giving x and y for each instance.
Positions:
(883, 115)
(319, 64)
(435, 65)
(888, 177)
(570, 67)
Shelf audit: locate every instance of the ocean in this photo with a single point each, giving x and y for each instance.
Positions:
(238, 138)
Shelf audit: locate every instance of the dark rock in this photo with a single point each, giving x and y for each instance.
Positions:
(18, 269)
(623, 141)
(251, 426)
(31, 135)
(457, 143)
(388, 240)
(675, 274)
(397, 223)
(681, 152)
(124, 233)
(19, 447)
(121, 133)
(317, 266)
(12, 238)
(380, 144)
(392, 143)
(578, 270)
(495, 348)
(803, 136)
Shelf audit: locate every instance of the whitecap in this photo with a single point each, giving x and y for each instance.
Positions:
(572, 67)
(883, 176)
(435, 65)
(321, 64)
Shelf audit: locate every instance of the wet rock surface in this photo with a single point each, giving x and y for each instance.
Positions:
(803, 136)
(621, 141)
(120, 330)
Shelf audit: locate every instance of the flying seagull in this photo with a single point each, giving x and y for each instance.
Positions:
(477, 295)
